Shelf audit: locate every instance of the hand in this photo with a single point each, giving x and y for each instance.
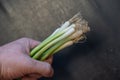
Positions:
(15, 61)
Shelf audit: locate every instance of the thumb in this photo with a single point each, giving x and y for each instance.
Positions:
(42, 68)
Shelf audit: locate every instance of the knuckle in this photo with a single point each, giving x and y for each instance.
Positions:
(48, 68)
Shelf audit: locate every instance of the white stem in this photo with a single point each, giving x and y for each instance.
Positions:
(58, 29)
(67, 29)
(55, 31)
(69, 43)
(65, 25)
(72, 25)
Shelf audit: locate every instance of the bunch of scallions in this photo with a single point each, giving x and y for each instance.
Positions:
(70, 32)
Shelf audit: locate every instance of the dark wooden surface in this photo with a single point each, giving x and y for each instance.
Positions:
(96, 59)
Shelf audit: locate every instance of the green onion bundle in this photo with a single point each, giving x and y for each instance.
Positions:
(70, 32)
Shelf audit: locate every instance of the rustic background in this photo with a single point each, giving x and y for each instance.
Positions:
(96, 59)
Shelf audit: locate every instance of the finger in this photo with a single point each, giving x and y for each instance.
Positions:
(33, 43)
(39, 67)
(29, 78)
(35, 75)
(25, 42)
(28, 42)
(49, 59)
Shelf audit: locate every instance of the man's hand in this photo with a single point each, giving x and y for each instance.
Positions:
(15, 61)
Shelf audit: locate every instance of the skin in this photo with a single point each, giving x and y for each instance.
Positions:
(15, 61)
